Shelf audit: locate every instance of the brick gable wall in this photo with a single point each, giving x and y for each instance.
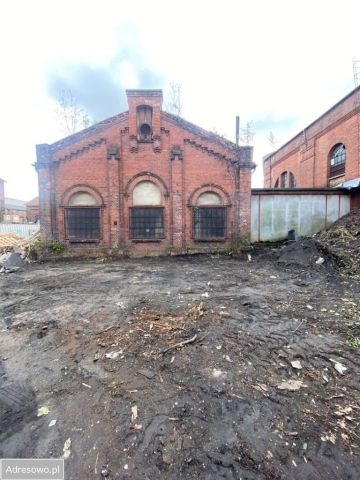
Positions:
(109, 161)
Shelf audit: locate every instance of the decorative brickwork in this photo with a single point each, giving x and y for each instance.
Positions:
(110, 160)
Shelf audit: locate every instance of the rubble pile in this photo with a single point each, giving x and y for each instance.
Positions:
(336, 247)
(8, 241)
(15, 251)
(342, 241)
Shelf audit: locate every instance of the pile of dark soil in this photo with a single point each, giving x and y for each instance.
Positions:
(337, 247)
(305, 252)
(342, 241)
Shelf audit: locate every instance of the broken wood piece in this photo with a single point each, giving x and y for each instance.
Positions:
(134, 413)
(180, 344)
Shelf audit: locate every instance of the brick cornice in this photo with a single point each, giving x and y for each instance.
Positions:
(82, 150)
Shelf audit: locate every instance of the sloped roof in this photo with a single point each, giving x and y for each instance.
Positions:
(200, 132)
(179, 121)
(98, 127)
(241, 153)
(34, 201)
(350, 184)
(15, 204)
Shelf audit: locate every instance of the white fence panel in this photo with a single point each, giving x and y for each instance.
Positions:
(24, 230)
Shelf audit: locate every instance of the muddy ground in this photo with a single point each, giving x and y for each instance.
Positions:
(219, 368)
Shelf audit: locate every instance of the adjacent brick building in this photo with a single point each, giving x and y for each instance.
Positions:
(145, 181)
(33, 210)
(325, 154)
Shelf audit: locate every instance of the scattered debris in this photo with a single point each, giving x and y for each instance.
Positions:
(67, 449)
(291, 385)
(113, 355)
(134, 413)
(328, 437)
(320, 261)
(43, 411)
(105, 472)
(296, 364)
(52, 423)
(145, 372)
(180, 344)
(339, 367)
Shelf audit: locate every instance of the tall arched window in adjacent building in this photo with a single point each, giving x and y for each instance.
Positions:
(146, 214)
(82, 218)
(292, 181)
(209, 217)
(337, 161)
(286, 180)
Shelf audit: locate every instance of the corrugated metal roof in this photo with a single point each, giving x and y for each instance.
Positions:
(350, 184)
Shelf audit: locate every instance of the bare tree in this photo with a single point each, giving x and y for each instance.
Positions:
(246, 133)
(272, 139)
(174, 102)
(70, 114)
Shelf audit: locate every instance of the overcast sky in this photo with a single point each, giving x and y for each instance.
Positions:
(277, 63)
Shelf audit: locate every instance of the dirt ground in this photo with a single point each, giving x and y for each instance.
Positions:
(202, 367)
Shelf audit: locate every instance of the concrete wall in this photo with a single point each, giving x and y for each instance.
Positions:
(274, 213)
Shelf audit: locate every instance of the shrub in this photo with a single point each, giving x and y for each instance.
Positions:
(56, 246)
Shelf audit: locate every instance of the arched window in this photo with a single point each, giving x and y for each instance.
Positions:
(337, 160)
(286, 180)
(147, 214)
(209, 217)
(146, 193)
(292, 181)
(82, 218)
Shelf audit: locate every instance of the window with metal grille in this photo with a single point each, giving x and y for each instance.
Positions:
(292, 181)
(209, 223)
(146, 223)
(337, 160)
(82, 223)
(284, 179)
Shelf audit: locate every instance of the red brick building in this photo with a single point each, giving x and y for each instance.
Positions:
(32, 210)
(145, 181)
(325, 154)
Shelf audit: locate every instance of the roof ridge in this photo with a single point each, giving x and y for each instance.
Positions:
(201, 131)
(87, 131)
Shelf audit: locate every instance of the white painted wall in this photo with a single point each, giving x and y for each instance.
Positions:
(273, 215)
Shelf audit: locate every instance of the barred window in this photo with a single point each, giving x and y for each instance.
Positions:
(209, 223)
(82, 223)
(147, 223)
(284, 180)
